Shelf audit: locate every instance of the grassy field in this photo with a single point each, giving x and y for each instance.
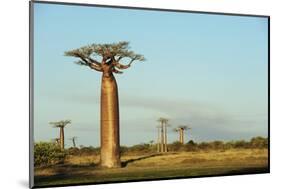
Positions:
(85, 169)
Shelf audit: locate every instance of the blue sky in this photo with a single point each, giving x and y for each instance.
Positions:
(208, 71)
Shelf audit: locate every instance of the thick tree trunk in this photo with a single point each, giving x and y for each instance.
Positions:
(182, 136)
(110, 152)
(61, 138)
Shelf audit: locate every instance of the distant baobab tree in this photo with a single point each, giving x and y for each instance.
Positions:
(73, 141)
(151, 142)
(158, 138)
(111, 56)
(61, 125)
(181, 129)
(163, 134)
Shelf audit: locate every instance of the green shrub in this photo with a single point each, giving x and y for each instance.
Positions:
(204, 146)
(217, 145)
(89, 150)
(259, 142)
(46, 153)
(175, 146)
(241, 144)
(191, 146)
(73, 151)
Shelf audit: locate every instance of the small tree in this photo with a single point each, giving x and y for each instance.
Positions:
(61, 125)
(73, 141)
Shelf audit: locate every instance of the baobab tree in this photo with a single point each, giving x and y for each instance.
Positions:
(159, 138)
(110, 56)
(181, 129)
(61, 125)
(151, 142)
(163, 134)
(73, 141)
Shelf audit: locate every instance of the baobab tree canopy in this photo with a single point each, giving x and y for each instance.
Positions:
(61, 123)
(111, 54)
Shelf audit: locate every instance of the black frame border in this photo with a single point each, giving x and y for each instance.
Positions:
(31, 87)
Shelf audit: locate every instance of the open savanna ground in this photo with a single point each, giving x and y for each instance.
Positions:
(81, 169)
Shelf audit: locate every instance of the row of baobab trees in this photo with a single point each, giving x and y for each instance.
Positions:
(161, 140)
(162, 134)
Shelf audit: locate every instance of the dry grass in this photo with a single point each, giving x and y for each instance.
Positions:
(193, 159)
(148, 166)
(82, 160)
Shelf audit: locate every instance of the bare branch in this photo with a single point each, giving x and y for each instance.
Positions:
(113, 51)
(116, 71)
(95, 67)
(94, 61)
(121, 66)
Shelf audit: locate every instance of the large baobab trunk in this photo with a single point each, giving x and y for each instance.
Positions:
(110, 153)
(61, 138)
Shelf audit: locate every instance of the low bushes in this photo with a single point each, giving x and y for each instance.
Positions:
(46, 153)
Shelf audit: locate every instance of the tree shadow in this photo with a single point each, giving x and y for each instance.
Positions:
(249, 170)
(125, 163)
(64, 172)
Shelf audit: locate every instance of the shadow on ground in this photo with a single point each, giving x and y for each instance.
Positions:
(125, 163)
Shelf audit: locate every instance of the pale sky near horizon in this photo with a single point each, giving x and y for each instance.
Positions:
(207, 71)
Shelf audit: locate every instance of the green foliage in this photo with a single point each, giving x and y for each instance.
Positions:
(175, 146)
(241, 144)
(50, 153)
(216, 145)
(73, 151)
(229, 145)
(259, 142)
(90, 150)
(256, 142)
(124, 149)
(46, 153)
(61, 123)
(140, 147)
(191, 146)
(204, 146)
